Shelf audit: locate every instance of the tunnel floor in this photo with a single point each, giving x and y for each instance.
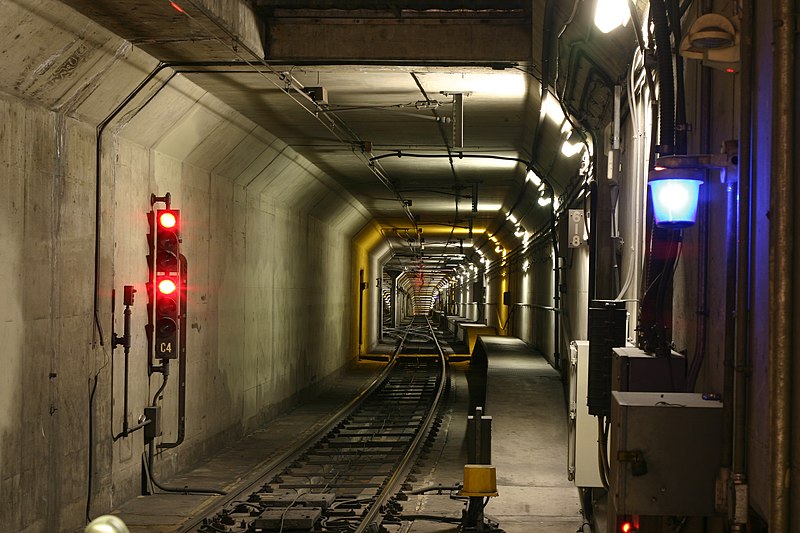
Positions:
(529, 450)
(525, 399)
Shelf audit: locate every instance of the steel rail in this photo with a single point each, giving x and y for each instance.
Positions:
(269, 468)
(373, 516)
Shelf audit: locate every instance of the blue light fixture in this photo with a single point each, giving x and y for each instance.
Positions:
(675, 192)
(675, 183)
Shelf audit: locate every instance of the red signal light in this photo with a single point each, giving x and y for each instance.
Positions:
(167, 282)
(167, 220)
(627, 527)
(177, 8)
(167, 286)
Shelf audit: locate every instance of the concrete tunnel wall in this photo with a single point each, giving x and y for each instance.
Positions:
(268, 238)
(369, 247)
(530, 291)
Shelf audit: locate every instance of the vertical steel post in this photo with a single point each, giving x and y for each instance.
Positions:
(782, 232)
(741, 355)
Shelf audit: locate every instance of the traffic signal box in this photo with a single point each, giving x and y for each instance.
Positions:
(165, 287)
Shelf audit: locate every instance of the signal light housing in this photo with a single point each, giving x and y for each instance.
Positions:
(165, 282)
(675, 193)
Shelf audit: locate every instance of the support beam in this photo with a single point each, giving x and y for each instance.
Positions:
(182, 30)
(372, 35)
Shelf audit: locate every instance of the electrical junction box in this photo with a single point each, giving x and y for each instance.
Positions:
(318, 94)
(665, 453)
(153, 429)
(608, 326)
(583, 464)
(288, 498)
(291, 518)
(635, 370)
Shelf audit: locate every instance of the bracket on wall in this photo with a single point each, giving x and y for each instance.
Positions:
(727, 161)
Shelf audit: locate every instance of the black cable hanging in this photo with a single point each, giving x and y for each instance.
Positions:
(655, 317)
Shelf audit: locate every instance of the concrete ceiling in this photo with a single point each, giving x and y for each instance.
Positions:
(368, 92)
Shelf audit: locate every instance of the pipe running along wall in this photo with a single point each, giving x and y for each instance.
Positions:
(783, 274)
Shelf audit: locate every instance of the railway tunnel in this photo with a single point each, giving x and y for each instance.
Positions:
(605, 187)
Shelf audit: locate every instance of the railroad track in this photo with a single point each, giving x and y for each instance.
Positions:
(350, 474)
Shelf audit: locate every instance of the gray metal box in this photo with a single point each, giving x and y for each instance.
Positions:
(291, 519)
(318, 94)
(583, 464)
(635, 370)
(677, 437)
(289, 498)
(153, 429)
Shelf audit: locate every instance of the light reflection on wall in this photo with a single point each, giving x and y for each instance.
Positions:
(523, 322)
(502, 310)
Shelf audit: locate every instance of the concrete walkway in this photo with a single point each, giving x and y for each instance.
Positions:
(525, 398)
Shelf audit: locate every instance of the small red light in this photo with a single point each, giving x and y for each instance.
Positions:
(177, 7)
(166, 286)
(627, 527)
(730, 70)
(167, 220)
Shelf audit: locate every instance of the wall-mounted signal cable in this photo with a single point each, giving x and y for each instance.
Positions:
(98, 329)
(656, 308)
(148, 456)
(125, 342)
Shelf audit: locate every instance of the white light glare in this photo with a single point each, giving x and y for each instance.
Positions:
(489, 207)
(544, 200)
(611, 14)
(674, 196)
(569, 149)
(534, 178)
(552, 109)
(512, 218)
(502, 84)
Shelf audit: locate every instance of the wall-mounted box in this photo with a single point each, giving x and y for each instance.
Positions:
(318, 94)
(634, 370)
(153, 429)
(665, 453)
(583, 465)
